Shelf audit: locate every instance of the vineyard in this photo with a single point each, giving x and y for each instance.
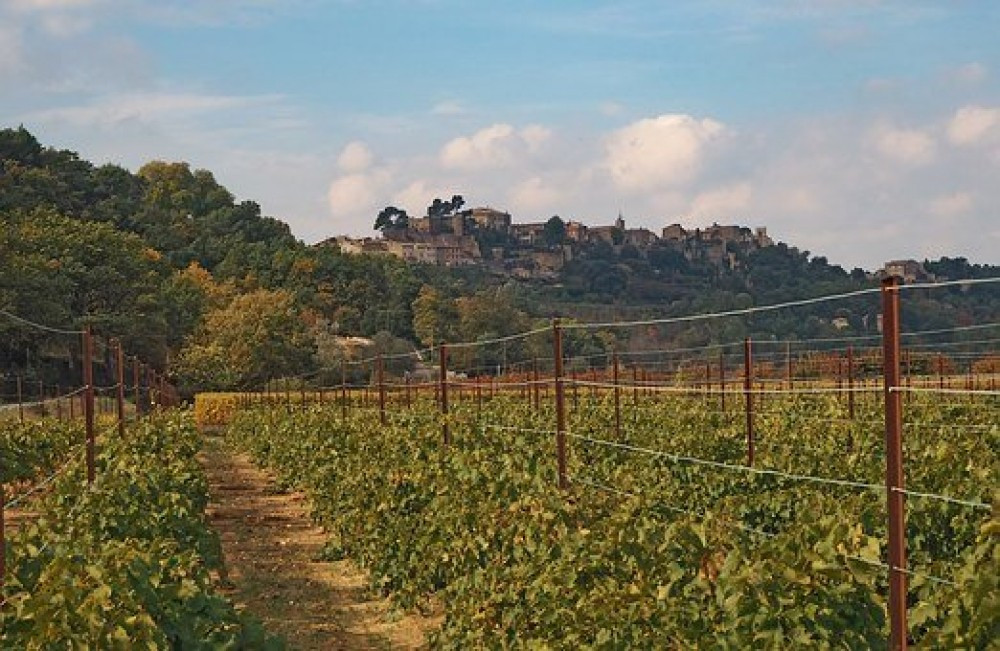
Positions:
(126, 561)
(759, 493)
(732, 496)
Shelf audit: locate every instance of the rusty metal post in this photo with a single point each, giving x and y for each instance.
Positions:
(302, 393)
(788, 363)
(120, 393)
(406, 382)
(3, 538)
(618, 396)
(20, 401)
(894, 463)
(381, 389)
(535, 386)
(479, 398)
(557, 358)
(635, 387)
(88, 392)
(748, 395)
(850, 382)
(149, 386)
(708, 380)
(443, 393)
(59, 412)
(136, 387)
(940, 370)
(343, 390)
(722, 379)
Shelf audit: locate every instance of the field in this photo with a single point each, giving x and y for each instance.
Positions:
(125, 562)
(664, 537)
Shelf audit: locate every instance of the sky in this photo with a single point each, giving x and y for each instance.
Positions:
(860, 130)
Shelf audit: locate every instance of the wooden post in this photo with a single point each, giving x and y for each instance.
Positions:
(88, 392)
(120, 393)
(557, 358)
(894, 464)
(748, 395)
(443, 392)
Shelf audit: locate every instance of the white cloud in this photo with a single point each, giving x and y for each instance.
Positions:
(533, 195)
(11, 49)
(970, 73)
(62, 25)
(727, 202)
(448, 108)
(611, 109)
(664, 151)
(497, 145)
(535, 136)
(355, 157)
(357, 195)
(144, 107)
(908, 146)
(47, 5)
(950, 205)
(973, 124)
(419, 194)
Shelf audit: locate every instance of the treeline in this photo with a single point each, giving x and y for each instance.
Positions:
(206, 287)
(220, 296)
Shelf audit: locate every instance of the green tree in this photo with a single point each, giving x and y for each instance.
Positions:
(257, 336)
(434, 317)
(554, 231)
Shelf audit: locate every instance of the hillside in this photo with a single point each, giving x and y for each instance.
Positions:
(167, 259)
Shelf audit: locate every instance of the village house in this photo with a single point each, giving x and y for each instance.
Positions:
(910, 271)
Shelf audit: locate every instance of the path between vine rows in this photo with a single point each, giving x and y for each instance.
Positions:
(271, 549)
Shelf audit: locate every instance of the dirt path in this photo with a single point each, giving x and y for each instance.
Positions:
(270, 547)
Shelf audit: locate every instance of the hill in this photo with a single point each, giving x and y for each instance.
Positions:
(167, 259)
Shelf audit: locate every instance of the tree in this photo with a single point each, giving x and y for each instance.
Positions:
(554, 231)
(391, 217)
(434, 317)
(440, 208)
(257, 336)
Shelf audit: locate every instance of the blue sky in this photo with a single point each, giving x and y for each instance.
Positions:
(862, 130)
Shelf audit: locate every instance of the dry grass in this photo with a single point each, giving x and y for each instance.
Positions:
(271, 548)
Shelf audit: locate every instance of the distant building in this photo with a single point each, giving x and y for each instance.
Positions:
(528, 233)
(576, 231)
(640, 237)
(490, 219)
(910, 271)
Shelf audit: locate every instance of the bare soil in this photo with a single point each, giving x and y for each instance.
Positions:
(271, 549)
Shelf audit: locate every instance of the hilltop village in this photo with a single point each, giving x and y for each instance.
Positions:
(539, 250)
